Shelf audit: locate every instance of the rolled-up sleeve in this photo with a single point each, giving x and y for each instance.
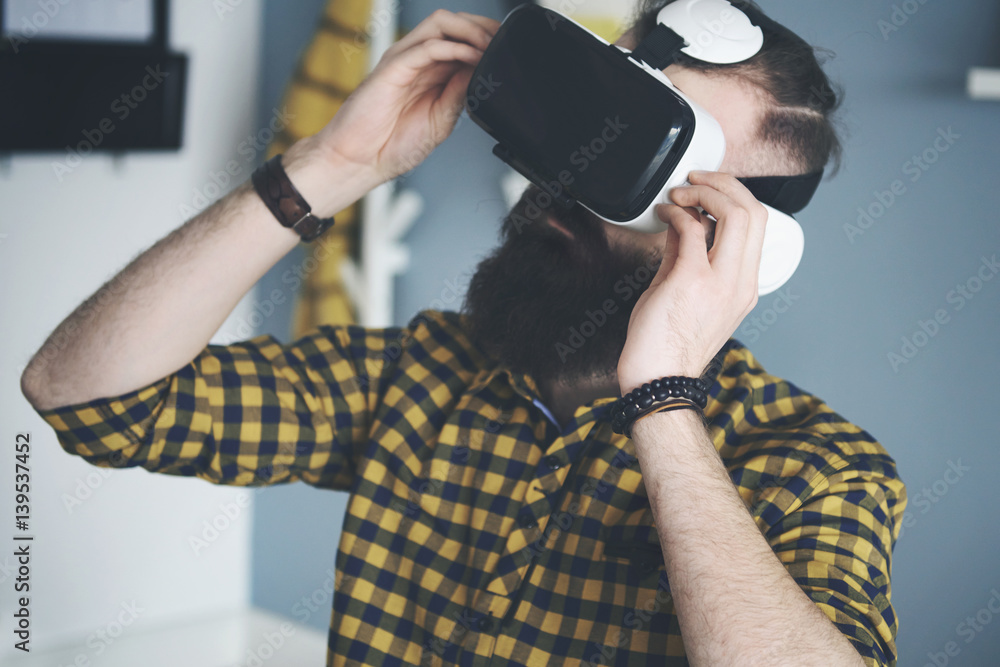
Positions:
(247, 414)
(836, 541)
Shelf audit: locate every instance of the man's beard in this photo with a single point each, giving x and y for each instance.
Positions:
(553, 307)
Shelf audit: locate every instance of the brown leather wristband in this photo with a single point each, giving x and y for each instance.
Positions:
(284, 201)
(672, 404)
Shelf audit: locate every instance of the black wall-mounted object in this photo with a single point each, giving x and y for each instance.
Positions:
(85, 96)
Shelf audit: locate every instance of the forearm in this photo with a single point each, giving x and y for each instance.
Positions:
(162, 309)
(735, 602)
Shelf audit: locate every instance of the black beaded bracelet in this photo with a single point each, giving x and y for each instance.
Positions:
(627, 408)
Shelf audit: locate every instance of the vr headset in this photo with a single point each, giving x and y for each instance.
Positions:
(591, 122)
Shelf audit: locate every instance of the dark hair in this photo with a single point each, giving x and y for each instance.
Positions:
(786, 68)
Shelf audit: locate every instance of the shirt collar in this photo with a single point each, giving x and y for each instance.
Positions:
(526, 386)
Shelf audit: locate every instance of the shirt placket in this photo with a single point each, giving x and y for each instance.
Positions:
(527, 541)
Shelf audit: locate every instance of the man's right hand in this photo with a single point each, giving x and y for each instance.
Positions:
(411, 100)
(162, 309)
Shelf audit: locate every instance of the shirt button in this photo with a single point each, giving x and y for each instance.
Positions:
(526, 520)
(648, 566)
(486, 623)
(553, 461)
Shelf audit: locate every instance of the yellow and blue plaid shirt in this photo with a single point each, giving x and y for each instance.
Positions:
(478, 531)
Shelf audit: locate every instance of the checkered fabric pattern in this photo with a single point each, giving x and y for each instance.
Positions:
(478, 531)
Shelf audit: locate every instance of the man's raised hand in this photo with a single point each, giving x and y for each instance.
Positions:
(411, 100)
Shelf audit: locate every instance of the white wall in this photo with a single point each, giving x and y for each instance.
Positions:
(59, 241)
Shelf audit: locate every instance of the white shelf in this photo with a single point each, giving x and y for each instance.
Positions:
(984, 83)
(223, 640)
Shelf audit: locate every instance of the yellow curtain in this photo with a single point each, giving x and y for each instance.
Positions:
(333, 65)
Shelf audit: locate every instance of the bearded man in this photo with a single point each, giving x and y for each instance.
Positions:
(495, 515)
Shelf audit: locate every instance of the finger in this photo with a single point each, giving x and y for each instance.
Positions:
(438, 51)
(442, 24)
(754, 254)
(449, 105)
(730, 241)
(715, 202)
(726, 184)
(663, 213)
(492, 25)
(668, 253)
(663, 210)
(707, 222)
(437, 75)
(690, 243)
(729, 185)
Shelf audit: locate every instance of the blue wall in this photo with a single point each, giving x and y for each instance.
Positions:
(856, 296)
